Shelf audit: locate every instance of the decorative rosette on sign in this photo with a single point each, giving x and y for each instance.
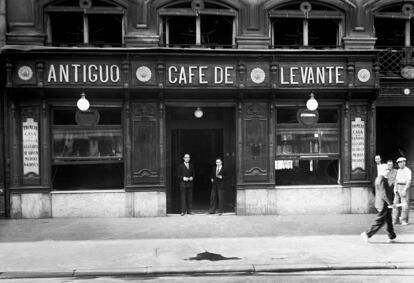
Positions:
(257, 75)
(364, 75)
(143, 74)
(25, 73)
(85, 4)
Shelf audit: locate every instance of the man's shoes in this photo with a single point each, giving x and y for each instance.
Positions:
(404, 223)
(190, 213)
(211, 212)
(182, 213)
(220, 214)
(390, 241)
(365, 237)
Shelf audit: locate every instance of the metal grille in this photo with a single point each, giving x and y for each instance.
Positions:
(390, 61)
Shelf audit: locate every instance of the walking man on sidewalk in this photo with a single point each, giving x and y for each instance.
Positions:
(383, 201)
(402, 192)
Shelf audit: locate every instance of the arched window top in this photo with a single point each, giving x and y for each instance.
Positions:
(85, 5)
(190, 4)
(100, 3)
(315, 6)
(396, 10)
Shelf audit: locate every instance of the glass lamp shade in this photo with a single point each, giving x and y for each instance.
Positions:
(83, 103)
(198, 113)
(312, 104)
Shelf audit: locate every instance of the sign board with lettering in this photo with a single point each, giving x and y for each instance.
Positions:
(358, 144)
(223, 75)
(311, 74)
(194, 72)
(30, 134)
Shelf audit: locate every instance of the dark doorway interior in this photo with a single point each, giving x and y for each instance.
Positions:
(204, 139)
(395, 134)
(203, 146)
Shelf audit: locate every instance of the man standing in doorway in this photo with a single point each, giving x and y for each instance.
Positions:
(402, 192)
(186, 178)
(218, 179)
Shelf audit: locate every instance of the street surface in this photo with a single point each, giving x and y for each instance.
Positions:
(204, 248)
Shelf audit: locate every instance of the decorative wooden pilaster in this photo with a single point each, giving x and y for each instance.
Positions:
(239, 132)
(345, 149)
(14, 142)
(45, 145)
(272, 138)
(127, 132)
(145, 138)
(255, 142)
(162, 139)
(372, 122)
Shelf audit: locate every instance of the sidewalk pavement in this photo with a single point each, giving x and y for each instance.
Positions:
(197, 244)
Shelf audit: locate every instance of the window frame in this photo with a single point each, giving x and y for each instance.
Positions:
(289, 128)
(164, 13)
(397, 16)
(85, 12)
(74, 160)
(313, 14)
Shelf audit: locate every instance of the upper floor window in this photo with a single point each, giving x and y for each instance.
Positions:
(394, 26)
(305, 24)
(198, 23)
(84, 22)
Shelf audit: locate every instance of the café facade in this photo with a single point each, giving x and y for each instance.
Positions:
(100, 100)
(149, 106)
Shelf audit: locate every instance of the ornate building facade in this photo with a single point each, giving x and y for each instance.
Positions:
(102, 98)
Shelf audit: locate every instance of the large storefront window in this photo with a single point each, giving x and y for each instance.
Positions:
(307, 154)
(87, 149)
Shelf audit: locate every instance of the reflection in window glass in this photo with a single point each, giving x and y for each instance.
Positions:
(306, 172)
(289, 115)
(87, 143)
(307, 142)
(216, 30)
(389, 32)
(288, 32)
(182, 30)
(323, 33)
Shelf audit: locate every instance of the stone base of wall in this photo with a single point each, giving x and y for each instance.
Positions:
(111, 203)
(304, 200)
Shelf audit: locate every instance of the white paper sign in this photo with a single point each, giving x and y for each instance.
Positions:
(358, 144)
(30, 131)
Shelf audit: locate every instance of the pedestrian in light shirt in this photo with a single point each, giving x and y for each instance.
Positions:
(402, 192)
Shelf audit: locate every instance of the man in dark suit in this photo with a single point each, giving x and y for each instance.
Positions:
(186, 177)
(218, 181)
(384, 195)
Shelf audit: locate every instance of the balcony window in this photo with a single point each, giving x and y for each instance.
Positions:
(76, 23)
(306, 25)
(394, 26)
(212, 25)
